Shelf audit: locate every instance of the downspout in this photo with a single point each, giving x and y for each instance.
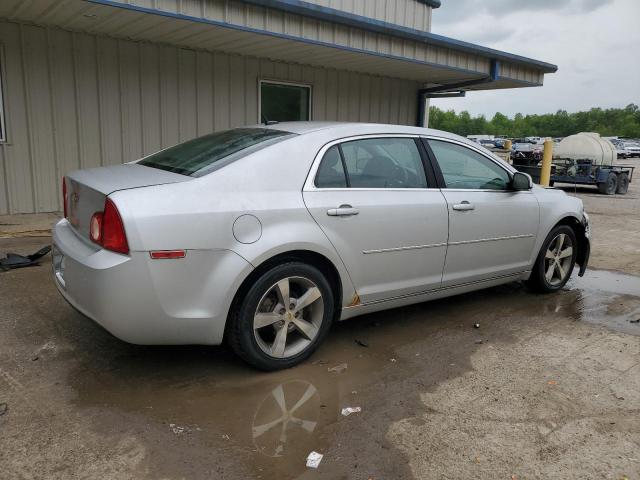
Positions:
(453, 90)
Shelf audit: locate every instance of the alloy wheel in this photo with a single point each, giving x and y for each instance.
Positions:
(558, 258)
(288, 317)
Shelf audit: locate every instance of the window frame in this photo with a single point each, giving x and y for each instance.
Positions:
(308, 86)
(310, 185)
(440, 177)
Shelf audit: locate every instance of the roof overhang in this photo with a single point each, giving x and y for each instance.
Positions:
(320, 36)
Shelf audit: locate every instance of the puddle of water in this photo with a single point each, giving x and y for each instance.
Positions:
(209, 408)
(607, 298)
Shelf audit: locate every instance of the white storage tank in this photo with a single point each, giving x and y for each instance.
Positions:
(586, 146)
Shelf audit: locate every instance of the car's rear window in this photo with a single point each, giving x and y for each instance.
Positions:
(202, 155)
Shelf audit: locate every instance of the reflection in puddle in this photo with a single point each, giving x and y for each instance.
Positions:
(284, 415)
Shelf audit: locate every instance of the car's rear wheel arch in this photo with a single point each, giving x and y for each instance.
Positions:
(317, 260)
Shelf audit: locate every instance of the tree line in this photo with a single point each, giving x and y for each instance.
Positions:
(621, 122)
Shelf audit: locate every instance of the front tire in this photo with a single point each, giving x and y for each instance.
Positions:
(283, 317)
(555, 261)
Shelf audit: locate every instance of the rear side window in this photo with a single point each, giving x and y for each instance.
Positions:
(331, 171)
(374, 163)
(464, 168)
(205, 154)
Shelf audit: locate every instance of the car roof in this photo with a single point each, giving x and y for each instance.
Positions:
(355, 128)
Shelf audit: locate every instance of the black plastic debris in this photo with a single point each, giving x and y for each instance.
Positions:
(361, 343)
(13, 260)
(635, 321)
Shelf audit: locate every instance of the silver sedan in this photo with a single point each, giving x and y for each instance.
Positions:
(263, 236)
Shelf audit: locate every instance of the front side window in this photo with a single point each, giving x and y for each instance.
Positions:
(284, 102)
(464, 168)
(383, 163)
(202, 155)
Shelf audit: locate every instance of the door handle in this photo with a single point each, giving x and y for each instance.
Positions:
(342, 211)
(464, 206)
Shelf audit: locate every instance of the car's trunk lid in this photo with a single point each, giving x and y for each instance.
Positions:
(88, 189)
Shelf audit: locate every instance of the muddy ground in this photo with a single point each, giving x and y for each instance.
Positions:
(547, 387)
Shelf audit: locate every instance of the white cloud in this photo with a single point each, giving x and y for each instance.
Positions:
(595, 44)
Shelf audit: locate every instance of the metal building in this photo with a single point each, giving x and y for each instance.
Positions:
(96, 82)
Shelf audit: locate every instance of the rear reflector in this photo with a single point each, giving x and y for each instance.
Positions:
(167, 254)
(95, 228)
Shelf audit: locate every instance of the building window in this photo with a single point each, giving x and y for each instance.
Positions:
(284, 102)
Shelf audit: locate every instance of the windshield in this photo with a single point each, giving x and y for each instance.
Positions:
(205, 154)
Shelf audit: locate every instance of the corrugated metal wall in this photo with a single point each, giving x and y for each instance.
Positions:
(76, 100)
(408, 13)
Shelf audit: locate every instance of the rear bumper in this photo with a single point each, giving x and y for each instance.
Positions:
(145, 301)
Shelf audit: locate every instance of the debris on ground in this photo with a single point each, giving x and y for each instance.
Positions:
(4, 408)
(361, 343)
(177, 429)
(349, 410)
(338, 368)
(479, 342)
(47, 347)
(13, 260)
(476, 325)
(392, 360)
(552, 382)
(314, 459)
(226, 437)
(320, 362)
(637, 320)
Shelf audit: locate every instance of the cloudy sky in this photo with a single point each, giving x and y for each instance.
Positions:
(595, 43)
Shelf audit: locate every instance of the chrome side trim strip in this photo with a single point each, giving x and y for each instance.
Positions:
(512, 237)
(434, 290)
(399, 249)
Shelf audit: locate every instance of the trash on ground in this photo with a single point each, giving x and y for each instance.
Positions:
(552, 382)
(338, 368)
(476, 325)
(479, 342)
(393, 360)
(13, 260)
(4, 408)
(177, 429)
(361, 343)
(314, 459)
(637, 320)
(349, 410)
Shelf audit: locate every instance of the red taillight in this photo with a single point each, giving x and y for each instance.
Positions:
(64, 196)
(106, 229)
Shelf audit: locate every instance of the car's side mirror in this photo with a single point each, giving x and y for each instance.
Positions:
(521, 181)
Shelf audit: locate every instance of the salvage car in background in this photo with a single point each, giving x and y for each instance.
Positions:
(263, 236)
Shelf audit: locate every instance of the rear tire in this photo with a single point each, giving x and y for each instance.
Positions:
(283, 317)
(623, 184)
(610, 186)
(555, 261)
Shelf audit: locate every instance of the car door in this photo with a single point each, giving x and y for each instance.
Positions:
(492, 228)
(371, 197)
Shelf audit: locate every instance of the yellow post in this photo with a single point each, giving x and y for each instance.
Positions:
(547, 154)
(507, 145)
